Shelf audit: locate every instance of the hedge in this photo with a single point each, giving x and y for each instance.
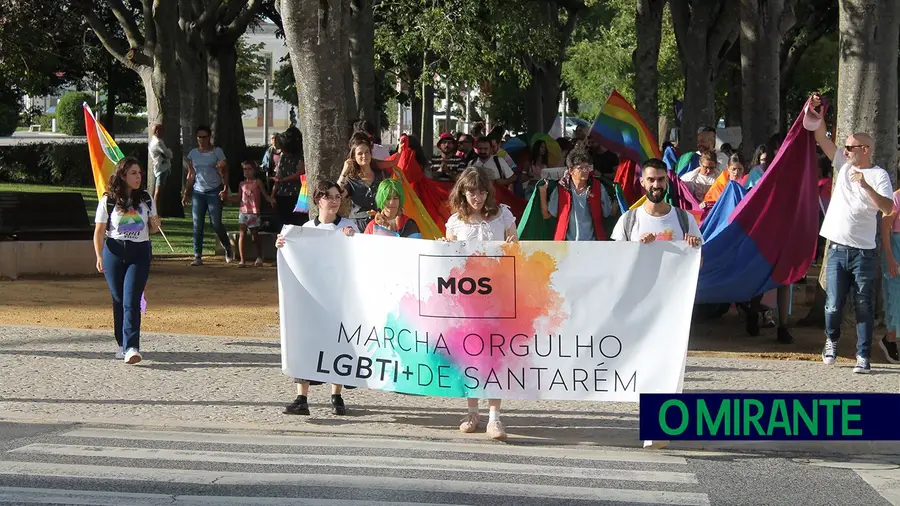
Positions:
(68, 163)
(70, 112)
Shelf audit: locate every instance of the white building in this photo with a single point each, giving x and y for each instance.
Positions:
(274, 49)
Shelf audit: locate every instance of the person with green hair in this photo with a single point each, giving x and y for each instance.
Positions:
(390, 220)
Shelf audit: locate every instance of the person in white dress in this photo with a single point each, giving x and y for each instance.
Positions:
(478, 217)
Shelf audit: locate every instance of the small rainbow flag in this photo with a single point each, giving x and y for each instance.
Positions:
(303, 198)
(620, 129)
(104, 152)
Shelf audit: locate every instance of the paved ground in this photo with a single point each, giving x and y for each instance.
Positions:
(91, 424)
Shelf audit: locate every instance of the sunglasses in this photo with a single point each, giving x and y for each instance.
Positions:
(851, 148)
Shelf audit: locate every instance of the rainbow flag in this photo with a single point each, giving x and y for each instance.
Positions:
(303, 198)
(103, 150)
(620, 129)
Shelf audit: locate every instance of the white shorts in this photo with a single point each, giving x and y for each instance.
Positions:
(248, 220)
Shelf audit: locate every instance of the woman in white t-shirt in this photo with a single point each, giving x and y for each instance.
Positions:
(327, 196)
(126, 216)
(478, 217)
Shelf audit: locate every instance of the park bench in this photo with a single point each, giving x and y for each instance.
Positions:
(35, 128)
(45, 233)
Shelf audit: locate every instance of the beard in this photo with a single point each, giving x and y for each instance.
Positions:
(656, 195)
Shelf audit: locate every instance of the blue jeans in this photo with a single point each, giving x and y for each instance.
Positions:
(851, 268)
(127, 266)
(201, 203)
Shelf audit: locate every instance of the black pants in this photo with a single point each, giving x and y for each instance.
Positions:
(284, 206)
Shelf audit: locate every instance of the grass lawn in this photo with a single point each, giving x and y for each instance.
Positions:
(178, 230)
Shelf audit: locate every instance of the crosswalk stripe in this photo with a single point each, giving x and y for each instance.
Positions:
(22, 495)
(203, 477)
(642, 456)
(355, 461)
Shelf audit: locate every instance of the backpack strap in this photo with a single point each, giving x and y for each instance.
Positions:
(630, 217)
(683, 218)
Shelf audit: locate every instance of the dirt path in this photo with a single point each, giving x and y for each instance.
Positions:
(223, 300)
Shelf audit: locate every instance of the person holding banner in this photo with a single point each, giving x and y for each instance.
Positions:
(126, 216)
(478, 217)
(579, 203)
(327, 196)
(390, 220)
(656, 220)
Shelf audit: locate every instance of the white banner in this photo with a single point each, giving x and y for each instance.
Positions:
(601, 321)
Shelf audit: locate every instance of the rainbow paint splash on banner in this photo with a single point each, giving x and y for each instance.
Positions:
(487, 320)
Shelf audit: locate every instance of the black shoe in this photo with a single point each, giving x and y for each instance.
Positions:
(298, 407)
(890, 350)
(784, 335)
(752, 322)
(337, 406)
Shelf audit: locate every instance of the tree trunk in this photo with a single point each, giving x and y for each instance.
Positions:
(192, 68)
(705, 30)
(414, 69)
(735, 100)
(362, 58)
(315, 36)
(225, 107)
(648, 23)
(534, 101)
(867, 83)
(761, 31)
(112, 86)
(428, 120)
(699, 101)
(163, 107)
(867, 90)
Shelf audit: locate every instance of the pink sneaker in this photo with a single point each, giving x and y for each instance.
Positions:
(495, 430)
(469, 423)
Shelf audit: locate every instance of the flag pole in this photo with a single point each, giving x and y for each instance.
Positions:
(167, 239)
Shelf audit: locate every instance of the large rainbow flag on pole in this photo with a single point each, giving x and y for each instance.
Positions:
(104, 152)
(620, 129)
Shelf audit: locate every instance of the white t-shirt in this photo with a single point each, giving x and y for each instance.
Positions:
(380, 152)
(490, 168)
(133, 225)
(851, 219)
(493, 230)
(699, 183)
(665, 228)
(340, 224)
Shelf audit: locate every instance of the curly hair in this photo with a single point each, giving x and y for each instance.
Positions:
(473, 180)
(117, 189)
(578, 156)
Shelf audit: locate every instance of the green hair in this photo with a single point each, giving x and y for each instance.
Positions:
(385, 189)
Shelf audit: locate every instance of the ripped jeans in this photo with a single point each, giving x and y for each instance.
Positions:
(851, 268)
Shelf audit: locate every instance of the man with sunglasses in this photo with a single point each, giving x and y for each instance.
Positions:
(861, 190)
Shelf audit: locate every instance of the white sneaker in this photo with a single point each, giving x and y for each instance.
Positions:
(655, 444)
(120, 353)
(828, 353)
(133, 356)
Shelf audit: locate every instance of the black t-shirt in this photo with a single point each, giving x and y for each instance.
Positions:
(606, 163)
